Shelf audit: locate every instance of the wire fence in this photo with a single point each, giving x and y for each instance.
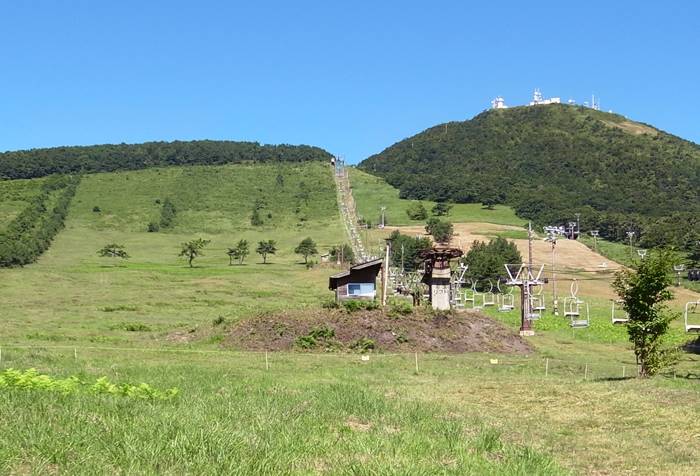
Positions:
(416, 363)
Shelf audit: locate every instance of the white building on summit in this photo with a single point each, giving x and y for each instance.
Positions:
(538, 99)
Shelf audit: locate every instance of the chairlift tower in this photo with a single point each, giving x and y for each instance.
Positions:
(595, 234)
(630, 236)
(553, 233)
(678, 268)
(525, 277)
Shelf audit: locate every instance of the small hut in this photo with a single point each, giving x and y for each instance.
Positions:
(358, 282)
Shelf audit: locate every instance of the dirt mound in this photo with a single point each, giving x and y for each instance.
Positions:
(374, 330)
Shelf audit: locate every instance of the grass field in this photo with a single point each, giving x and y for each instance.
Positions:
(564, 409)
(371, 193)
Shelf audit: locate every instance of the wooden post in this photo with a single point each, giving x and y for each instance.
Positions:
(546, 367)
(585, 375)
(267, 363)
(416, 362)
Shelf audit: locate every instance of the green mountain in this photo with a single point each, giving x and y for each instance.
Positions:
(551, 162)
(109, 158)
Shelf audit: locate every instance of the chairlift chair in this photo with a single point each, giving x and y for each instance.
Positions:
(692, 313)
(488, 297)
(472, 295)
(573, 307)
(506, 301)
(537, 300)
(615, 313)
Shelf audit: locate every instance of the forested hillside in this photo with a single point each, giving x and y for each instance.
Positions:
(550, 162)
(108, 158)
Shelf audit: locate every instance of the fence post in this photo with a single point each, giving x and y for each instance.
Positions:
(267, 364)
(585, 375)
(546, 367)
(623, 371)
(416, 362)
(75, 353)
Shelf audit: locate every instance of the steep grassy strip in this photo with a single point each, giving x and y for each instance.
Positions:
(33, 230)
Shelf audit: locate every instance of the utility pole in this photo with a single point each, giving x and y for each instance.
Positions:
(630, 235)
(383, 210)
(385, 272)
(595, 234)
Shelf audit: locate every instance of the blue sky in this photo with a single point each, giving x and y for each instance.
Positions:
(352, 77)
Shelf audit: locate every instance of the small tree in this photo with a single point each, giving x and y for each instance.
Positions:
(239, 252)
(113, 250)
(193, 249)
(441, 209)
(442, 231)
(644, 291)
(306, 248)
(416, 211)
(342, 254)
(265, 248)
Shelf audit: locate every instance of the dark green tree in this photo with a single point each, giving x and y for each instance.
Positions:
(416, 211)
(193, 249)
(255, 218)
(266, 247)
(441, 209)
(306, 248)
(441, 231)
(644, 292)
(405, 250)
(487, 261)
(167, 214)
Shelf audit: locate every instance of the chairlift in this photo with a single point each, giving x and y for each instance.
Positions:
(488, 297)
(618, 316)
(506, 301)
(471, 295)
(692, 316)
(575, 307)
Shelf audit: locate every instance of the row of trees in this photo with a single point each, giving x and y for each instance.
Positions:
(417, 211)
(31, 232)
(193, 249)
(112, 157)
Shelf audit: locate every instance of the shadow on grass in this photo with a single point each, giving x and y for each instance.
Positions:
(692, 346)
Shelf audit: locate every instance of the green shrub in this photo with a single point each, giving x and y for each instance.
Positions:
(363, 345)
(354, 305)
(400, 307)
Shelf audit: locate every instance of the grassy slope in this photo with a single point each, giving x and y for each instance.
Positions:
(67, 296)
(372, 192)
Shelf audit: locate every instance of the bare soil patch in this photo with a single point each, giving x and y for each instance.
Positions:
(420, 331)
